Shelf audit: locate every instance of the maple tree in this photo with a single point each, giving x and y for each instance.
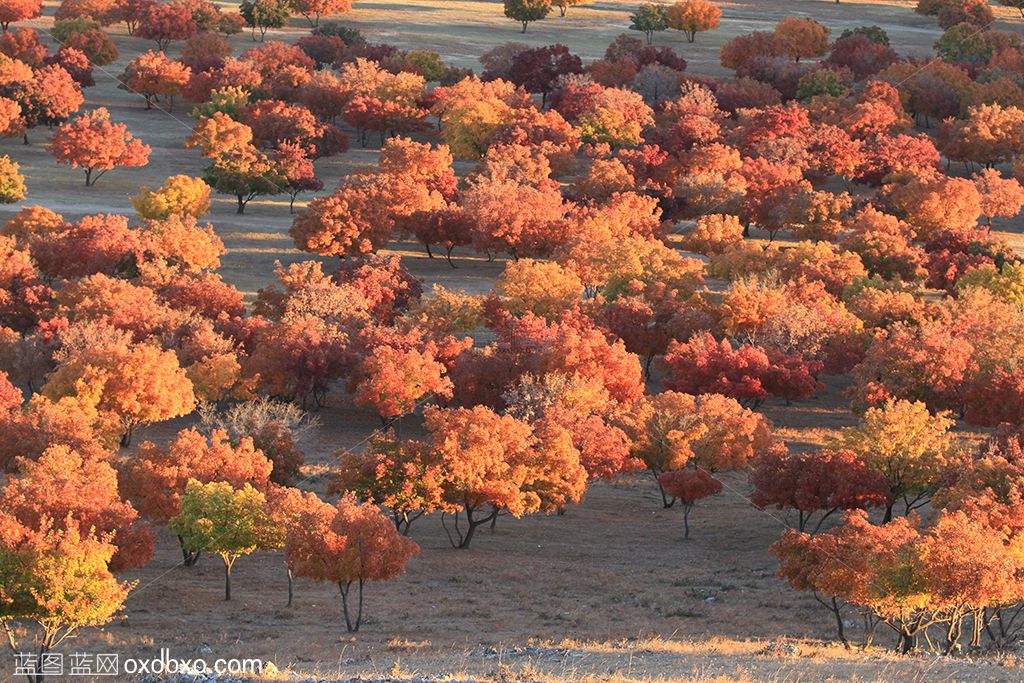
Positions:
(19, 10)
(802, 37)
(165, 22)
(134, 383)
(494, 462)
(156, 478)
(538, 69)
(244, 172)
(218, 134)
(95, 44)
(12, 183)
(907, 445)
(693, 16)
(820, 482)
(925, 362)
(96, 145)
(153, 75)
(351, 543)
(314, 9)
(688, 486)
(527, 11)
(747, 373)
(218, 518)
(263, 15)
(179, 195)
(59, 579)
(49, 96)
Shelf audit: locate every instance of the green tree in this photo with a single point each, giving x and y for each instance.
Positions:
(220, 519)
(525, 11)
(246, 173)
(649, 18)
(262, 15)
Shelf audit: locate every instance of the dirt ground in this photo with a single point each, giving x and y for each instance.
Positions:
(609, 590)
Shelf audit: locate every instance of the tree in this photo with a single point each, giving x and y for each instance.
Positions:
(395, 380)
(472, 112)
(179, 242)
(219, 134)
(846, 564)
(816, 482)
(693, 16)
(649, 18)
(218, 518)
(564, 5)
(535, 227)
(24, 45)
(133, 384)
(905, 444)
(94, 44)
(156, 478)
(688, 486)
(403, 476)
(526, 11)
(101, 12)
(263, 15)
(166, 21)
(298, 357)
(59, 579)
(293, 164)
(64, 486)
(861, 55)
(802, 37)
(351, 222)
(539, 69)
(924, 362)
(1000, 197)
(12, 183)
(19, 10)
(179, 195)
(246, 173)
(350, 543)
(614, 116)
(498, 462)
(152, 75)
(748, 374)
(49, 98)
(545, 289)
(93, 143)
(314, 9)
(76, 63)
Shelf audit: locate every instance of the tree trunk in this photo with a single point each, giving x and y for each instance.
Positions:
(241, 205)
(227, 578)
(840, 631)
(351, 625)
(524, 26)
(288, 569)
(888, 513)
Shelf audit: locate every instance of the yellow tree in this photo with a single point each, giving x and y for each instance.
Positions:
(135, 383)
(693, 16)
(907, 445)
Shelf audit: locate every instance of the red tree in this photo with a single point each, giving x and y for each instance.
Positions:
(93, 143)
(823, 481)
